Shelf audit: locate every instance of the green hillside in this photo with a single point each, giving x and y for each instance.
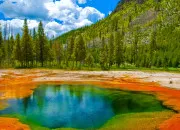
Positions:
(144, 33)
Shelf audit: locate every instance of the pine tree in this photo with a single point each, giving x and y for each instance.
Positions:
(104, 55)
(1, 46)
(10, 51)
(27, 49)
(135, 46)
(35, 46)
(152, 46)
(80, 49)
(58, 48)
(111, 50)
(89, 60)
(51, 55)
(17, 49)
(42, 44)
(1, 37)
(70, 48)
(48, 54)
(118, 48)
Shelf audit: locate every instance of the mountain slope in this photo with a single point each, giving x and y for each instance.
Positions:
(130, 15)
(150, 27)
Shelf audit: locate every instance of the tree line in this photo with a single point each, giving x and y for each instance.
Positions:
(26, 50)
(35, 50)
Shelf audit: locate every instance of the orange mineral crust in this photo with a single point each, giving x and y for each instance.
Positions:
(12, 124)
(18, 87)
(171, 124)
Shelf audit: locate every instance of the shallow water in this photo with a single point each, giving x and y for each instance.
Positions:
(77, 106)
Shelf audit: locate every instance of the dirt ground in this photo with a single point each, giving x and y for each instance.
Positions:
(166, 79)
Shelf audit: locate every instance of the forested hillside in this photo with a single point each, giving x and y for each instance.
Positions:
(140, 33)
(144, 33)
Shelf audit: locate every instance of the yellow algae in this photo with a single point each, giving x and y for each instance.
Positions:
(138, 121)
(3, 105)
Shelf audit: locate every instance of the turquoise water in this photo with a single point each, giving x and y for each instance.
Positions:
(77, 106)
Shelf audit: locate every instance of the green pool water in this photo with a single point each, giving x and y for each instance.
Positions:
(77, 106)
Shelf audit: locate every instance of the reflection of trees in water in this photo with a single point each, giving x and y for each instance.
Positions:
(56, 89)
(125, 102)
(40, 94)
(77, 91)
(25, 104)
(81, 90)
(39, 97)
(73, 90)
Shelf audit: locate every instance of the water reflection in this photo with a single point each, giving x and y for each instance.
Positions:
(64, 106)
(78, 106)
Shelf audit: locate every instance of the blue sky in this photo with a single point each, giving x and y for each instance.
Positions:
(58, 16)
(104, 6)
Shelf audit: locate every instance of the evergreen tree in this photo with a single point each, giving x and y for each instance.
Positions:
(17, 49)
(111, 50)
(42, 44)
(1, 46)
(1, 37)
(89, 60)
(10, 51)
(70, 48)
(27, 49)
(152, 46)
(51, 55)
(118, 48)
(58, 49)
(48, 55)
(135, 46)
(80, 49)
(104, 55)
(36, 47)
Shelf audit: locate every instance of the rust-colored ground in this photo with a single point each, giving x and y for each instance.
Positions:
(16, 87)
(12, 124)
(13, 85)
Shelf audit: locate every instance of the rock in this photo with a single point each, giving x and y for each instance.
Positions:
(170, 82)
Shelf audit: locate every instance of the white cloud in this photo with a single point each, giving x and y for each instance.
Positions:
(82, 1)
(16, 24)
(91, 14)
(83, 23)
(54, 29)
(68, 12)
(24, 8)
(63, 10)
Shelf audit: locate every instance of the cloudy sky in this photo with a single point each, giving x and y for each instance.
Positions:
(58, 16)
